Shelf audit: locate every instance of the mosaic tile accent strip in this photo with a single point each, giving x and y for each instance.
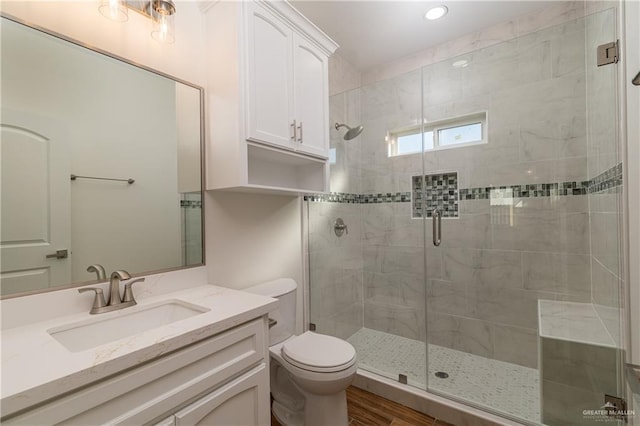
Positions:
(608, 179)
(440, 192)
(445, 193)
(526, 191)
(341, 197)
(193, 204)
(499, 385)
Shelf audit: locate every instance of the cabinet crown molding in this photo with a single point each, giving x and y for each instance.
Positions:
(301, 24)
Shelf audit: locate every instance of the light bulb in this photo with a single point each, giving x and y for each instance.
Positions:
(116, 10)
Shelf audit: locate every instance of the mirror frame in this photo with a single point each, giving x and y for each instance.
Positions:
(202, 152)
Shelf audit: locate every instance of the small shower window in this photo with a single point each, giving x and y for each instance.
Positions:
(451, 133)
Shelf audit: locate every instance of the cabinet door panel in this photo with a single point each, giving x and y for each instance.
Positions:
(311, 100)
(242, 402)
(269, 78)
(149, 392)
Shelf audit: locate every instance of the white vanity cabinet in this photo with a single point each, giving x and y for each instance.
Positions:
(268, 98)
(237, 403)
(223, 379)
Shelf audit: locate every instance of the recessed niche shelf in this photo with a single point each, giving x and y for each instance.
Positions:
(272, 168)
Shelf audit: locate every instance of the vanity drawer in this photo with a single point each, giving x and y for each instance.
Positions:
(160, 387)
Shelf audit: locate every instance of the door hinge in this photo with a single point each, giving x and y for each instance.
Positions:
(615, 407)
(608, 53)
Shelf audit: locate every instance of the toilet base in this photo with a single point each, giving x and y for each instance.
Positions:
(285, 416)
(326, 410)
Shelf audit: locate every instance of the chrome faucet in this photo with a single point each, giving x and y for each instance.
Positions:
(115, 301)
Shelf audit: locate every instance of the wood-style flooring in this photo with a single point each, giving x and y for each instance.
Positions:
(368, 409)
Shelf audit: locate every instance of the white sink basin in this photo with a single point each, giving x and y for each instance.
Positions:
(116, 325)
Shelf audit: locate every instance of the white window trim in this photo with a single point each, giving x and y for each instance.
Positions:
(481, 117)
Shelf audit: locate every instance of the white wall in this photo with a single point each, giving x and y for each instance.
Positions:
(253, 238)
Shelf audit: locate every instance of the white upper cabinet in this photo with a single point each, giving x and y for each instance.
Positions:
(267, 98)
(270, 76)
(310, 76)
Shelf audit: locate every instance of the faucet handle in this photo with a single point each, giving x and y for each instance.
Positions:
(128, 291)
(98, 300)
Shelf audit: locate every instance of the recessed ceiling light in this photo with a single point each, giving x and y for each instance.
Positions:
(461, 63)
(436, 12)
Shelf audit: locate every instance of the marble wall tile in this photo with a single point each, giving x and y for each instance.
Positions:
(557, 13)
(606, 285)
(473, 230)
(578, 365)
(342, 324)
(515, 307)
(515, 344)
(605, 241)
(551, 205)
(395, 288)
(342, 75)
(405, 321)
(447, 297)
(564, 233)
(484, 268)
(567, 56)
(563, 405)
(558, 273)
(611, 318)
(339, 296)
(463, 334)
(554, 139)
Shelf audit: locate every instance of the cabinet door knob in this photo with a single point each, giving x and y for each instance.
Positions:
(300, 128)
(295, 131)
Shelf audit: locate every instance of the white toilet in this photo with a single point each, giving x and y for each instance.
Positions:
(309, 372)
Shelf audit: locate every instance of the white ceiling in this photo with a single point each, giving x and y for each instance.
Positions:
(374, 32)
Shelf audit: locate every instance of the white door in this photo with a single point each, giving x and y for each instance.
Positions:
(35, 201)
(242, 402)
(270, 97)
(311, 90)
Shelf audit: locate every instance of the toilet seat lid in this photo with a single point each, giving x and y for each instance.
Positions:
(317, 352)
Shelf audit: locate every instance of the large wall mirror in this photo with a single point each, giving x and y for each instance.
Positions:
(101, 163)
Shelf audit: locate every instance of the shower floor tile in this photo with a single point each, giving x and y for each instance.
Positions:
(499, 385)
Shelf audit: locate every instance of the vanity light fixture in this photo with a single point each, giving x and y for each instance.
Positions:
(160, 12)
(116, 10)
(436, 12)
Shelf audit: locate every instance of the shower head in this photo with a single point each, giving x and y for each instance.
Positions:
(352, 132)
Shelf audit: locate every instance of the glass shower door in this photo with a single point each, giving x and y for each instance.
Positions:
(523, 310)
(367, 283)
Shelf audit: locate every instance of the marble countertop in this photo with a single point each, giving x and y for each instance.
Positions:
(35, 366)
(574, 322)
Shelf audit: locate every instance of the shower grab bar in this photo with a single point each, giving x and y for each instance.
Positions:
(129, 181)
(437, 227)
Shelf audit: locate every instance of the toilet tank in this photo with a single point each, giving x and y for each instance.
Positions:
(283, 289)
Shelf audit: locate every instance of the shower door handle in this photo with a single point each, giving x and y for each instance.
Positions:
(437, 227)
